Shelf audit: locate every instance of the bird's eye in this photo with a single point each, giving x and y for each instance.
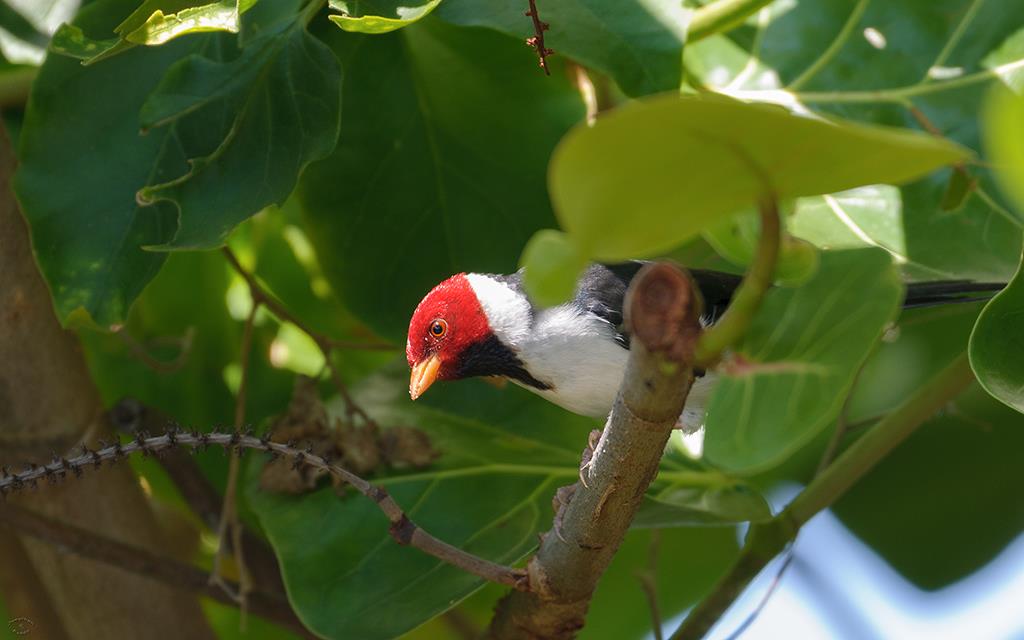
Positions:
(438, 328)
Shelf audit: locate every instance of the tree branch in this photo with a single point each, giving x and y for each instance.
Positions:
(229, 529)
(536, 41)
(766, 540)
(272, 606)
(662, 313)
(325, 343)
(403, 530)
(131, 417)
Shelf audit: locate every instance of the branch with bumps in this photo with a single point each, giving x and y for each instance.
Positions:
(402, 529)
(536, 41)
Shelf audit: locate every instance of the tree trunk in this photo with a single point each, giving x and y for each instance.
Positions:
(48, 403)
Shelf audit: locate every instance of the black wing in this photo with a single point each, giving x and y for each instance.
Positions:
(602, 289)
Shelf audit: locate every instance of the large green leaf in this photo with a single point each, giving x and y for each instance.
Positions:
(934, 56)
(217, 125)
(81, 130)
(911, 509)
(997, 345)
(639, 44)
(379, 17)
(649, 175)
(262, 115)
(947, 501)
(504, 452)
(799, 359)
(441, 156)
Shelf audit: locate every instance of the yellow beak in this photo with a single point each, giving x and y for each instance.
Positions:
(423, 375)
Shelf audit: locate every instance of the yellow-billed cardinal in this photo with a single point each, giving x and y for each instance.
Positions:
(574, 354)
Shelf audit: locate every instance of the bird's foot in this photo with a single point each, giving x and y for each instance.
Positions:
(587, 458)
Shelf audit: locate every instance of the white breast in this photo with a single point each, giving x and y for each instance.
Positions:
(570, 349)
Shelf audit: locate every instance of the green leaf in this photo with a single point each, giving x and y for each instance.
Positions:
(379, 17)
(799, 359)
(81, 131)
(552, 266)
(442, 152)
(997, 345)
(932, 56)
(1006, 61)
(69, 40)
(947, 501)
(264, 114)
(154, 23)
(159, 21)
(663, 160)
(638, 44)
(504, 452)
(1004, 140)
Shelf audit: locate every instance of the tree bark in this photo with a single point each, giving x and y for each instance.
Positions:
(662, 311)
(48, 403)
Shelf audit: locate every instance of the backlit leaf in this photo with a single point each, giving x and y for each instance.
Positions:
(799, 359)
(648, 176)
(379, 16)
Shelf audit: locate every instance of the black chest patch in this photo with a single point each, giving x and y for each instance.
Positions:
(490, 357)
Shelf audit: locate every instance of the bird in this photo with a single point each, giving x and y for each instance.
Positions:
(573, 354)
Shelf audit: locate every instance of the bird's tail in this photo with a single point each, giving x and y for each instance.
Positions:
(928, 294)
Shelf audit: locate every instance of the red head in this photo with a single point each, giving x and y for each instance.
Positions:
(447, 321)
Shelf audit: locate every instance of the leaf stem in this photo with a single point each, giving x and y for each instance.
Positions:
(737, 318)
(902, 94)
(766, 540)
(721, 15)
(837, 44)
(892, 430)
(955, 38)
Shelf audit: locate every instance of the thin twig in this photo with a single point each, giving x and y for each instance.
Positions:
(842, 426)
(85, 543)
(129, 417)
(766, 540)
(402, 529)
(324, 343)
(649, 584)
(960, 168)
(160, 366)
(537, 39)
(229, 523)
(268, 300)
